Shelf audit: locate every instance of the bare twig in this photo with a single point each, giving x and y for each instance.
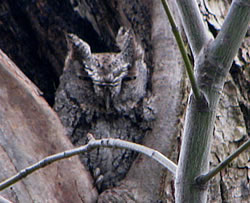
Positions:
(111, 143)
(202, 179)
(182, 49)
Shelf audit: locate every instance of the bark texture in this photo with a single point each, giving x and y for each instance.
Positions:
(32, 35)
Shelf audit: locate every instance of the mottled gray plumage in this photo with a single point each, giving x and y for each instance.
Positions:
(103, 94)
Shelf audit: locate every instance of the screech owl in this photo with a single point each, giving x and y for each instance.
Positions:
(103, 94)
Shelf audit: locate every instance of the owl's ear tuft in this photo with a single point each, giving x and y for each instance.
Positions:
(77, 47)
(124, 38)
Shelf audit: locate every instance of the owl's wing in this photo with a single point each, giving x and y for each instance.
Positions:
(75, 98)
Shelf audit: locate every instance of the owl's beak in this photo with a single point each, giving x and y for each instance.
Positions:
(107, 102)
(107, 98)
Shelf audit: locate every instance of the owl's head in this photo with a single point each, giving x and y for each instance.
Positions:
(107, 71)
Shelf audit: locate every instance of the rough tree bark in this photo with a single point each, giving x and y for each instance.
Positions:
(32, 35)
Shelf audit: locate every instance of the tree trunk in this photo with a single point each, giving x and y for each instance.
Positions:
(32, 35)
(29, 131)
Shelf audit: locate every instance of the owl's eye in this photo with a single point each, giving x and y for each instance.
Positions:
(87, 78)
(129, 78)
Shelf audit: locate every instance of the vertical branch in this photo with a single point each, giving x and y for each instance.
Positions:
(193, 24)
(229, 39)
(182, 49)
